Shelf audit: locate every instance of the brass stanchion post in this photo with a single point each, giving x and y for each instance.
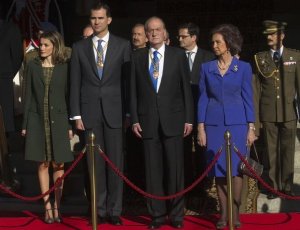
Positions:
(227, 137)
(91, 152)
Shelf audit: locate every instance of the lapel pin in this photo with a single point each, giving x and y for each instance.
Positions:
(235, 68)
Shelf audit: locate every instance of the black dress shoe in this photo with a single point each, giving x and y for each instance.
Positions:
(155, 225)
(289, 193)
(100, 220)
(271, 196)
(177, 224)
(115, 220)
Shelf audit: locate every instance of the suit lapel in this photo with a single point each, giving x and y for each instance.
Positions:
(145, 66)
(108, 61)
(91, 55)
(40, 70)
(167, 62)
(269, 59)
(195, 70)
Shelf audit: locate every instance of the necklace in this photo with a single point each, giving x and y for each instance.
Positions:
(225, 66)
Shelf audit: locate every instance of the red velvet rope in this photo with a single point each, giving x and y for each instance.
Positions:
(267, 186)
(142, 192)
(56, 184)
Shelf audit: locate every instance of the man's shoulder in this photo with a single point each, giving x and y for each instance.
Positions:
(175, 50)
(31, 55)
(293, 51)
(118, 39)
(205, 54)
(138, 53)
(82, 42)
(262, 53)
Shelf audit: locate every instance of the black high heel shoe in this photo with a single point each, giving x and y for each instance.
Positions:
(58, 218)
(221, 224)
(237, 224)
(48, 219)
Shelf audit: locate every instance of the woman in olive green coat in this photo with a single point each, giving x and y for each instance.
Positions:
(46, 124)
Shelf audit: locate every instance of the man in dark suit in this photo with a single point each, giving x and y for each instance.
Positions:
(11, 56)
(11, 50)
(277, 85)
(98, 68)
(188, 34)
(161, 110)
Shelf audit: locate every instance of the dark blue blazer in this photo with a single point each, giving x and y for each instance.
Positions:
(226, 100)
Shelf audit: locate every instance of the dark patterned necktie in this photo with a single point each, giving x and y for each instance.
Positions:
(276, 58)
(100, 58)
(154, 67)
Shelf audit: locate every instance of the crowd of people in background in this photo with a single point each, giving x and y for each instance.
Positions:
(177, 101)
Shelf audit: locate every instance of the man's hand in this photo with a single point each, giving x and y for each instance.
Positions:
(79, 124)
(187, 129)
(137, 130)
(23, 132)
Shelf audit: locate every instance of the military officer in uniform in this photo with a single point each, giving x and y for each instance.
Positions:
(277, 83)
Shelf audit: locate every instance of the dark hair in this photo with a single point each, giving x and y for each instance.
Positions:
(59, 55)
(192, 28)
(101, 5)
(231, 36)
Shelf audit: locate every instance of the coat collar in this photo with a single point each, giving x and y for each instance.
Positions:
(234, 66)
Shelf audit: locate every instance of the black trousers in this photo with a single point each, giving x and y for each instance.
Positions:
(109, 186)
(164, 175)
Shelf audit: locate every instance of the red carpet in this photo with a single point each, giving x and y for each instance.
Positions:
(282, 221)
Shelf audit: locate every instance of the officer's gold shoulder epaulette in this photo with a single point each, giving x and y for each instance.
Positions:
(263, 64)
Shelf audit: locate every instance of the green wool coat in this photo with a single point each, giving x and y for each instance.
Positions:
(33, 121)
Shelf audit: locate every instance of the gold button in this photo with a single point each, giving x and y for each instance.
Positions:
(277, 87)
(278, 96)
(52, 122)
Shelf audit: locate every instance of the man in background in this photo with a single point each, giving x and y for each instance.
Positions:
(188, 36)
(277, 91)
(138, 36)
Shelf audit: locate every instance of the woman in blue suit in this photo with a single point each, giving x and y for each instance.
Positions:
(226, 103)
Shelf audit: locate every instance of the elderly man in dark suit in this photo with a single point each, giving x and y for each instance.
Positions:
(161, 108)
(98, 68)
(188, 36)
(277, 85)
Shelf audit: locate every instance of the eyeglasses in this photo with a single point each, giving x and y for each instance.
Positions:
(182, 36)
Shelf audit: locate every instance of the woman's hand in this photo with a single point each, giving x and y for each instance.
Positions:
(251, 137)
(201, 136)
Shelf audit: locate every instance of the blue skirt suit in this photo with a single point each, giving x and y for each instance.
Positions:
(225, 103)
